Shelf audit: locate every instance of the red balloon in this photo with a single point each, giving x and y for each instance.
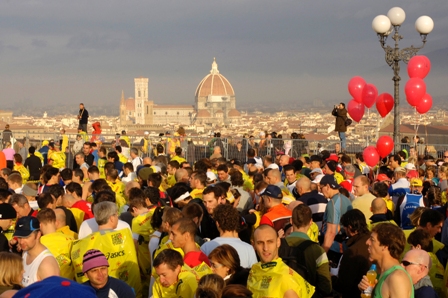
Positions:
(369, 94)
(384, 104)
(425, 104)
(384, 146)
(419, 67)
(415, 88)
(371, 156)
(355, 87)
(355, 110)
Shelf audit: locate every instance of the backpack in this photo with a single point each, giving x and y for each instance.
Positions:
(294, 257)
(348, 121)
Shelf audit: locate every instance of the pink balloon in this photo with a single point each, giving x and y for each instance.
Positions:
(369, 94)
(355, 110)
(425, 104)
(384, 104)
(355, 86)
(384, 146)
(419, 67)
(371, 156)
(415, 88)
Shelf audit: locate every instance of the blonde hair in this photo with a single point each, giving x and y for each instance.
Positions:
(444, 169)
(11, 268)
(415, 216)
(213, 282)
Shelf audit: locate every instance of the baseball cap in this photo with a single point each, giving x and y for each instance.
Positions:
(316, 158)
(28, 191)
(146, 132)
(7, 211)
(316, 170)
(144, 173)
(56, 286)
(329, 180)
(412, 174)
(416, 182)
(333, 157)
(45, 143)
(238, 162)
(317, 179)
(286, 200)
(211, 176)
(399, 170)
(93, 258)
(25, 226)
(409, 166)
(272, 191)
(382, 177)
(332, 165)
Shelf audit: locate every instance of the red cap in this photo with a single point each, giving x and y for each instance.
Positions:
(412, 174)
(334, 157)
(382, 177)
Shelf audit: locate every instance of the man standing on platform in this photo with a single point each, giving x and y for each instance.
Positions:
(340, 113)
(83, 117)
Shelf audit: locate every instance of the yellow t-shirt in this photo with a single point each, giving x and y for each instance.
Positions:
(60, 246)
(184, 288)
(274, 279)
(196, 193)
(179, 159)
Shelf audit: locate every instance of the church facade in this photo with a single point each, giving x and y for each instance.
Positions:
(214, 105)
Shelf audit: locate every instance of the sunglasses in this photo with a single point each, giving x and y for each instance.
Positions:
(445, 156)
(407, 263)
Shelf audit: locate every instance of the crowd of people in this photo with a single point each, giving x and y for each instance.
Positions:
(152, 223)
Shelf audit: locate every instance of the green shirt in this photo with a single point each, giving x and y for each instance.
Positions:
(377, 290)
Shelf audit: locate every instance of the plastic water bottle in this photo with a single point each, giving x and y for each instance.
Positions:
(371, 276)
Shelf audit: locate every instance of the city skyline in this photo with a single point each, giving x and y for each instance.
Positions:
(285, 52)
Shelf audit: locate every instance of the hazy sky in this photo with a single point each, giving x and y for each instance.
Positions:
(271, 51)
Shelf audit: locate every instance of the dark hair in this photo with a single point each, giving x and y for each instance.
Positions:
(156, 219)
(113, 155)
(392, 237)
(74, 187)
(44, 199)
(430, 216)
(192, 210)
(356, 220)
(170, 257)
(186, 225)
(178, 151)
(236, 177)
(343, 104)
(236, 290)
(301, 215)
(297, 164)
(55, 190)
(93, 169)
(227, 256)
(217, 191)
(153, 194)
(155, 179)
(422, 237)
(32, 149)
(380, 189)
(201, 176)
(78, 173)
(223, 168)
(288, 168)
(227, 217)
(104, 195)
(51, 171)
(66, 174)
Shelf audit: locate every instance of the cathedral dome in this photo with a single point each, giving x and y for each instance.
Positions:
(130, 104)
(214, 84)
(234, 113)
(203, 114)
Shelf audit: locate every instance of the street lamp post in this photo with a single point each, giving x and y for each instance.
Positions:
(383, 26)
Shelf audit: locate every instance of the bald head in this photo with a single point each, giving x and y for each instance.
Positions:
(361, 185)
(293, 205)
(68, 200)
(274, 176)
(284, 160)
(303, 185)
(422, 262)
(181, 175)
(147, 161)
(379, 206)
(265, 230)
(61, 219)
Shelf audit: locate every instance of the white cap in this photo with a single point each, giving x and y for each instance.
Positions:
(182, 197)
(146, 132)
(409, 166)
(211, 176)
(272, 166)
(317, 170)
(318, 178)
(262, 133)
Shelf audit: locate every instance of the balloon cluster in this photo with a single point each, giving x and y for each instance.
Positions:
(415, 88)
(366, 95)
(372, 154)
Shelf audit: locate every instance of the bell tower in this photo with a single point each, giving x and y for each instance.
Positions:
(141, 96)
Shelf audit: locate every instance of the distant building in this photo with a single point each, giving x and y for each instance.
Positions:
(5, 116)
(214, 104)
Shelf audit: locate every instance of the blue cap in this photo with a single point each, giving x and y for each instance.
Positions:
(25, 226)
(55, 286)
(273, 191)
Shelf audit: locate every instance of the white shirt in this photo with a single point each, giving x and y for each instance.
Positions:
(245, 251)
(30, 270)
(130, 177)
(90, 226)
(136, 162)
(18, 190)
